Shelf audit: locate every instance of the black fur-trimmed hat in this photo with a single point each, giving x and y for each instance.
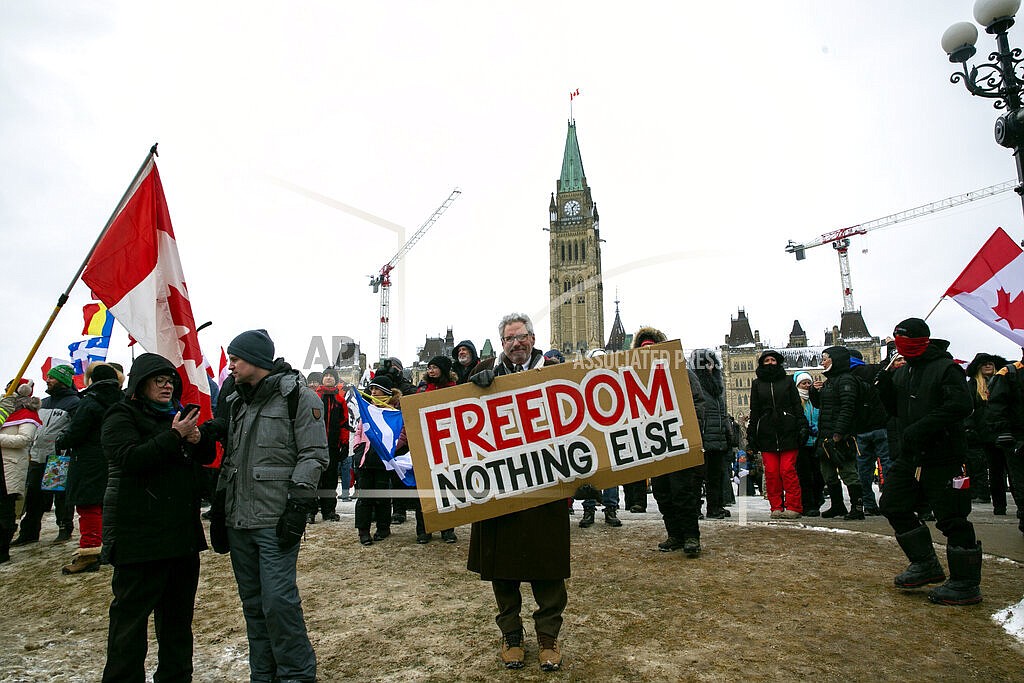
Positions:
(443, 363)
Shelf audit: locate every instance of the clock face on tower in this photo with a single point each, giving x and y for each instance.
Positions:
(572, 208)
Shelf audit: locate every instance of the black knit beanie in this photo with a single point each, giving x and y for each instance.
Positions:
(915, 328)
(254, 346)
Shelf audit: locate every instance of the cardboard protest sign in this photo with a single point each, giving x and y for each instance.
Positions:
(535, 436)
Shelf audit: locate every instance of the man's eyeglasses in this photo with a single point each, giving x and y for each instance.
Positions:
(163, 381)
(516, 338)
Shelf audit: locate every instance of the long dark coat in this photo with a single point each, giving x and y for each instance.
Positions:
(87, 472)
(529, 545)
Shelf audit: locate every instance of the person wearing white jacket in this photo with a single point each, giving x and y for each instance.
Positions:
(16, 436)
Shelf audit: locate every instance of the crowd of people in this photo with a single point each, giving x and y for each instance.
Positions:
(136, 466)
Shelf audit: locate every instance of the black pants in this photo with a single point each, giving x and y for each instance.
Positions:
(904, 494)
(373, 502)
(714, 464)
(38, 502)
(678, 497)
(977, 468)
(327, 488)
(551, 600)
(635, 493)
(1005, 462)
(167, 590)
(812, 484)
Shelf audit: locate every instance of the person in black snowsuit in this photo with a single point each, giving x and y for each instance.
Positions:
(837, 399)
(930, 400)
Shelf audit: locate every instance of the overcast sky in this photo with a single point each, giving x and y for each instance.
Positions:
(708, 138)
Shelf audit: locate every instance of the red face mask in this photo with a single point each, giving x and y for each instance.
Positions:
(911, 347)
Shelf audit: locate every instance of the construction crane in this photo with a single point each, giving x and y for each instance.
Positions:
(381, 282)
(840, 239)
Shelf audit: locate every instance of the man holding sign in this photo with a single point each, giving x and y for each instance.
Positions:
(505, 450)
(529, 545)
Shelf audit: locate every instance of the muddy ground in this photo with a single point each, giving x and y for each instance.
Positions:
(765, 601)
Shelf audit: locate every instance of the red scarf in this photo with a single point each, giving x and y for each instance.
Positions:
(911, 347)
(23, 415)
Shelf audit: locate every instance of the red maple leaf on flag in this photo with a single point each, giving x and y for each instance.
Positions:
(181, 314)
(1010, 310)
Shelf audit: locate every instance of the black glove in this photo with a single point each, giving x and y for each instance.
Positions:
(803, 435)
(218, 523)
(587, 492)
(1005, 439)
(483, 379)
(292, 525)
(912, 438)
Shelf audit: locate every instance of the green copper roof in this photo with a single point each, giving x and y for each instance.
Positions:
(572, 164)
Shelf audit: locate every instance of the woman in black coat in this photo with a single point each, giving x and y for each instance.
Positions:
(152, 532)
(777, 429)
(87, 471)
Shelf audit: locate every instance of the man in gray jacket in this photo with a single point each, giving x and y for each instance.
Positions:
(275, 452)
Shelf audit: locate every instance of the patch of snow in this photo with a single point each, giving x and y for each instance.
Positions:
(1012, 620)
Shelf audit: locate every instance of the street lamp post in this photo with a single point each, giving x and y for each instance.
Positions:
(999, 78)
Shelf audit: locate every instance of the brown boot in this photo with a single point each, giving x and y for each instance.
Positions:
(85, 560)
(550, 656)
(512, 652)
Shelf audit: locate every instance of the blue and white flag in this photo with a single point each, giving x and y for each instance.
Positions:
(88, 351)
(382, 426)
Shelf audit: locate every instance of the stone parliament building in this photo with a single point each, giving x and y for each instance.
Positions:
(576, 296)
(742, 347)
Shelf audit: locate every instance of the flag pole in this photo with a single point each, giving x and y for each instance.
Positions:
(935, 306)
(63, 298)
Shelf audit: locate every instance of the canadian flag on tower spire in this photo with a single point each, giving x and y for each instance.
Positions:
(136, 272)
(991, 288)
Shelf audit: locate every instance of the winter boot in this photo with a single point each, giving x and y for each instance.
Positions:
(924, 565)
(422, 536)
(85, 560)
(550, 656)
(610, 518)
(512, 652)
(588, 518)
(691, 546)
(670, 544)
(856, 503)
(25, 539)
(837, 508)
(63, 535)
(964, 584)
(448, 536)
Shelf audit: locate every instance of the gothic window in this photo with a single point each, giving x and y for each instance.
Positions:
(563, 253)
(583, 251)
(581, 299)
(576, 251)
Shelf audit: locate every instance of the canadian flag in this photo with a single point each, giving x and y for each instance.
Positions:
(136, 272)
(991, 288)
(223, 373)
(52, 362)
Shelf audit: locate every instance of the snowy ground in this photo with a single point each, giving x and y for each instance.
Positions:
(766, 600)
